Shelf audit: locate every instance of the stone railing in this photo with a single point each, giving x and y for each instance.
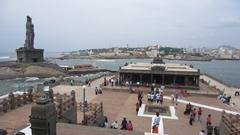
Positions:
(94, 113)
(64, 103)
(231, 123)
(13, 100)
(69, 83)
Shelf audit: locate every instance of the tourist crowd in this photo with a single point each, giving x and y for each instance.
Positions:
(125, 125)
(196, 115)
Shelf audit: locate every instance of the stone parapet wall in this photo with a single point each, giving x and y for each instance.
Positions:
(66, 107)
(14, 101)
(94, 113)
(230, 124)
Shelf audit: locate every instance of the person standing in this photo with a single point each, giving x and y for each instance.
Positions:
(172, 98)
(199, 114)
(209, 120)
(158, 98)
(194, 112)
(130, 126)
(191, 119)
(71, 82)
(157, 119)
(140, 102)
(112, 81)
(209, 129)
(105, 81)
(161, 98)
(137, 107)
(89, 83)
(96, 90)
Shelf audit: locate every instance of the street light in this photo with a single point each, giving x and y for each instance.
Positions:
(84, 105)
(84, 93)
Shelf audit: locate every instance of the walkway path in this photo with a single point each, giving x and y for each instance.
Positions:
(90, 90)
(228, 90)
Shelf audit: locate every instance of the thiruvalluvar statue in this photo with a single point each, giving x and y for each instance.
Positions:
(29, 41)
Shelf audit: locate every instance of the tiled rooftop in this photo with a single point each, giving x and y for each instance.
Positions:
(168, 67)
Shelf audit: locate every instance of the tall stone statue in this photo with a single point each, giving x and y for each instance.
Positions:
(29, 41)
(28, 54)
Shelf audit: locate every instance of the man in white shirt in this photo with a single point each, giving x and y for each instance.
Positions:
(157, 119)
(202, 132)
(114, 125)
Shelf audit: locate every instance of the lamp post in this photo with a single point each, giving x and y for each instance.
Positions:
(84, 105)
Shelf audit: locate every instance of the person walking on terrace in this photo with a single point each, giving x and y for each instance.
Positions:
(199, 114)
(191, 119)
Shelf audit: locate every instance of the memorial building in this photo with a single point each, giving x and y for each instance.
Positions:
(169, 75)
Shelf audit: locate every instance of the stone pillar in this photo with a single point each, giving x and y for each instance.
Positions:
(12, 100)
(60, 106)
(131, 76)
(186, 80)
(51, 96)
(74, 109)
(30, 96)
(24, 98)
(141, 79)
(5, 105)
(174, 80)
(163, 79)
(43, 118)
(197, 81)
(120, 78)
(151, 79)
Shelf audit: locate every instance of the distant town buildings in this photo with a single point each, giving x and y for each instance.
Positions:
(151, 51)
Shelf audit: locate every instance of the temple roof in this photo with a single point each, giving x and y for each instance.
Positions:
(168, 67)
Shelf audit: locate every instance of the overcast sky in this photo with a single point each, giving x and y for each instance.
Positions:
(65, 25)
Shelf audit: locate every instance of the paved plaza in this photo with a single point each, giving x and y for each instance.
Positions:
(122, 104)
(15, 120)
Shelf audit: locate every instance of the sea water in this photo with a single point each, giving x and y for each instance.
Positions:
(225, 70)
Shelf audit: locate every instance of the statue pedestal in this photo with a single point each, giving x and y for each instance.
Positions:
(25, 55)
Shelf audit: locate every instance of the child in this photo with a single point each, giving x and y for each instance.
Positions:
(130, 126)
(155, 129)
